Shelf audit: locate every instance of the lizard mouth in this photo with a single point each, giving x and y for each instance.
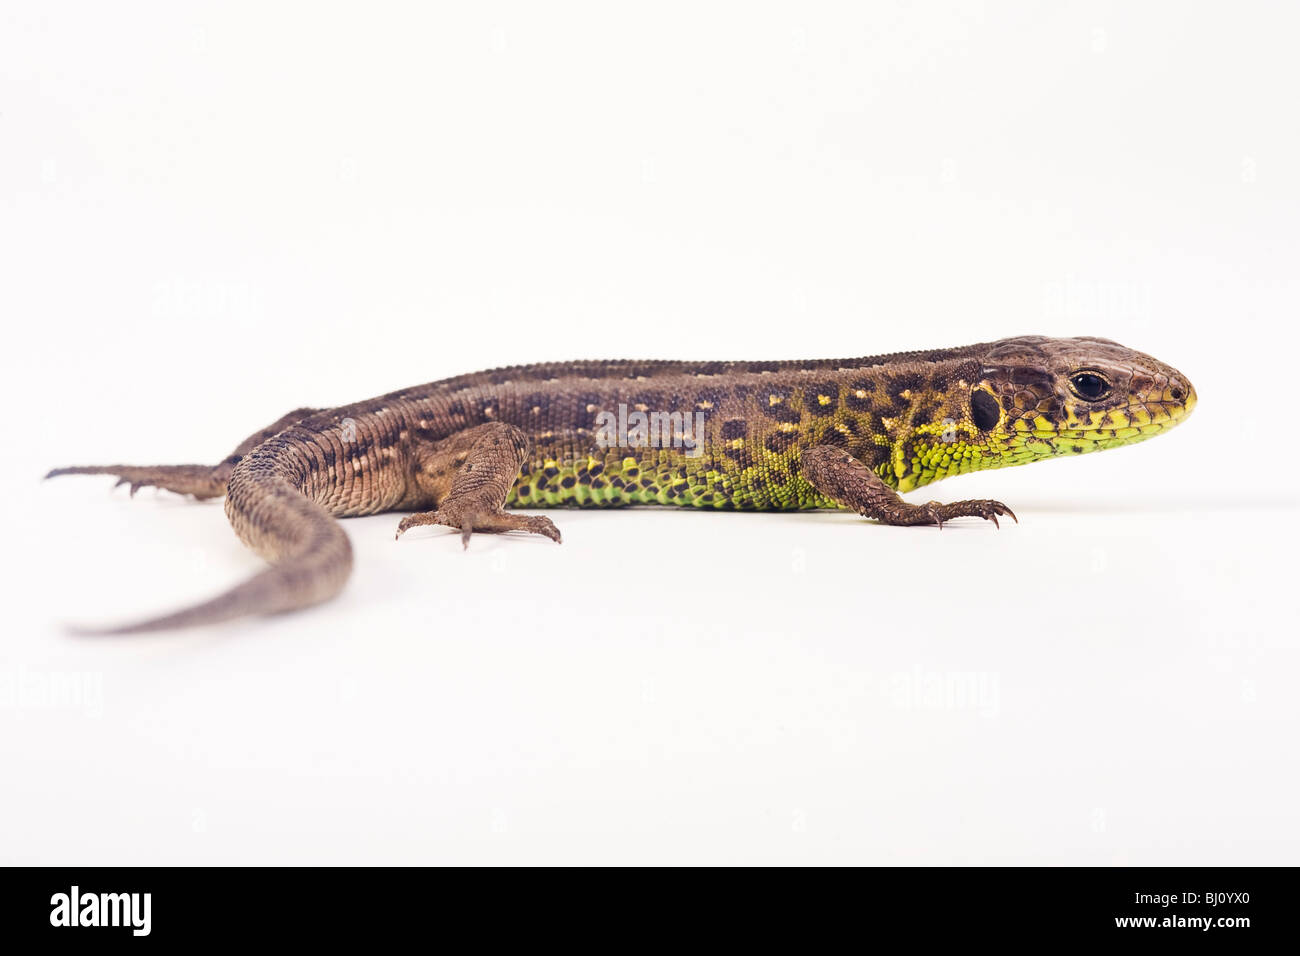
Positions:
(1086, 430)
(1143, 418)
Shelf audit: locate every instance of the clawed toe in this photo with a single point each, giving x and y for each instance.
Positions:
(936, 513)
(540, 524)
(416, 520)
(135, 485)
(987, 509)
(996, 508)
(487, 524)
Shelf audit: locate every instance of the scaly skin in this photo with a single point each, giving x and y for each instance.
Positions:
(776, 436)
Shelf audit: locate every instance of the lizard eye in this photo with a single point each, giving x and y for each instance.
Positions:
(1089, 386)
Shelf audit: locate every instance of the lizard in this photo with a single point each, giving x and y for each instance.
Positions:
(465, 452)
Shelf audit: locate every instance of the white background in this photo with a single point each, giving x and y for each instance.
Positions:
(212, 215)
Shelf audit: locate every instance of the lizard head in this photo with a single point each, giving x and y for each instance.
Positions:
(1027, 398)
(1069, 396)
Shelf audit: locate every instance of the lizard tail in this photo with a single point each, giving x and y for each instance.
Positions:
(310, 555)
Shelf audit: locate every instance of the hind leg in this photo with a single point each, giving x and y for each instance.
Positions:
(468, 477)
(201, 481)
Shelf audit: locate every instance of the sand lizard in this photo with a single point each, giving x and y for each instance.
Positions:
(830, 433)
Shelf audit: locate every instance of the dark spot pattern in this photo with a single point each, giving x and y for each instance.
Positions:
(778, 442)
(814, 394)
(863, 402)
(734, 428)
(781, 413)
(903, 382)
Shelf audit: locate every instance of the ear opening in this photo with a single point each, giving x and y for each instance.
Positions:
(984, 410)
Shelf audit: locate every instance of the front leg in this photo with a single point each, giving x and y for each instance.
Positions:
(482, 463)
(840, 476)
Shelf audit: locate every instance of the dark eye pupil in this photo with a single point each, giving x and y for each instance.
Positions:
(1088, 385)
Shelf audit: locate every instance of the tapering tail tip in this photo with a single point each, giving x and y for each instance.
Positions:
(309, 578)
(311, 555)
(226, 607)
(82, 630)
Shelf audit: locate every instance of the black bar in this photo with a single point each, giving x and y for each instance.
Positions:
(861, 906)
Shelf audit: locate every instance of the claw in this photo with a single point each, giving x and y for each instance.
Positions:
(407, 523)
(134, 485)
(993, 509)
(932, 509)
(998, 508)
(540, 524)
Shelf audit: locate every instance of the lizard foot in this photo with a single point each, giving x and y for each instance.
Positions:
(201, 481)
(490, 523)
(937, 513)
